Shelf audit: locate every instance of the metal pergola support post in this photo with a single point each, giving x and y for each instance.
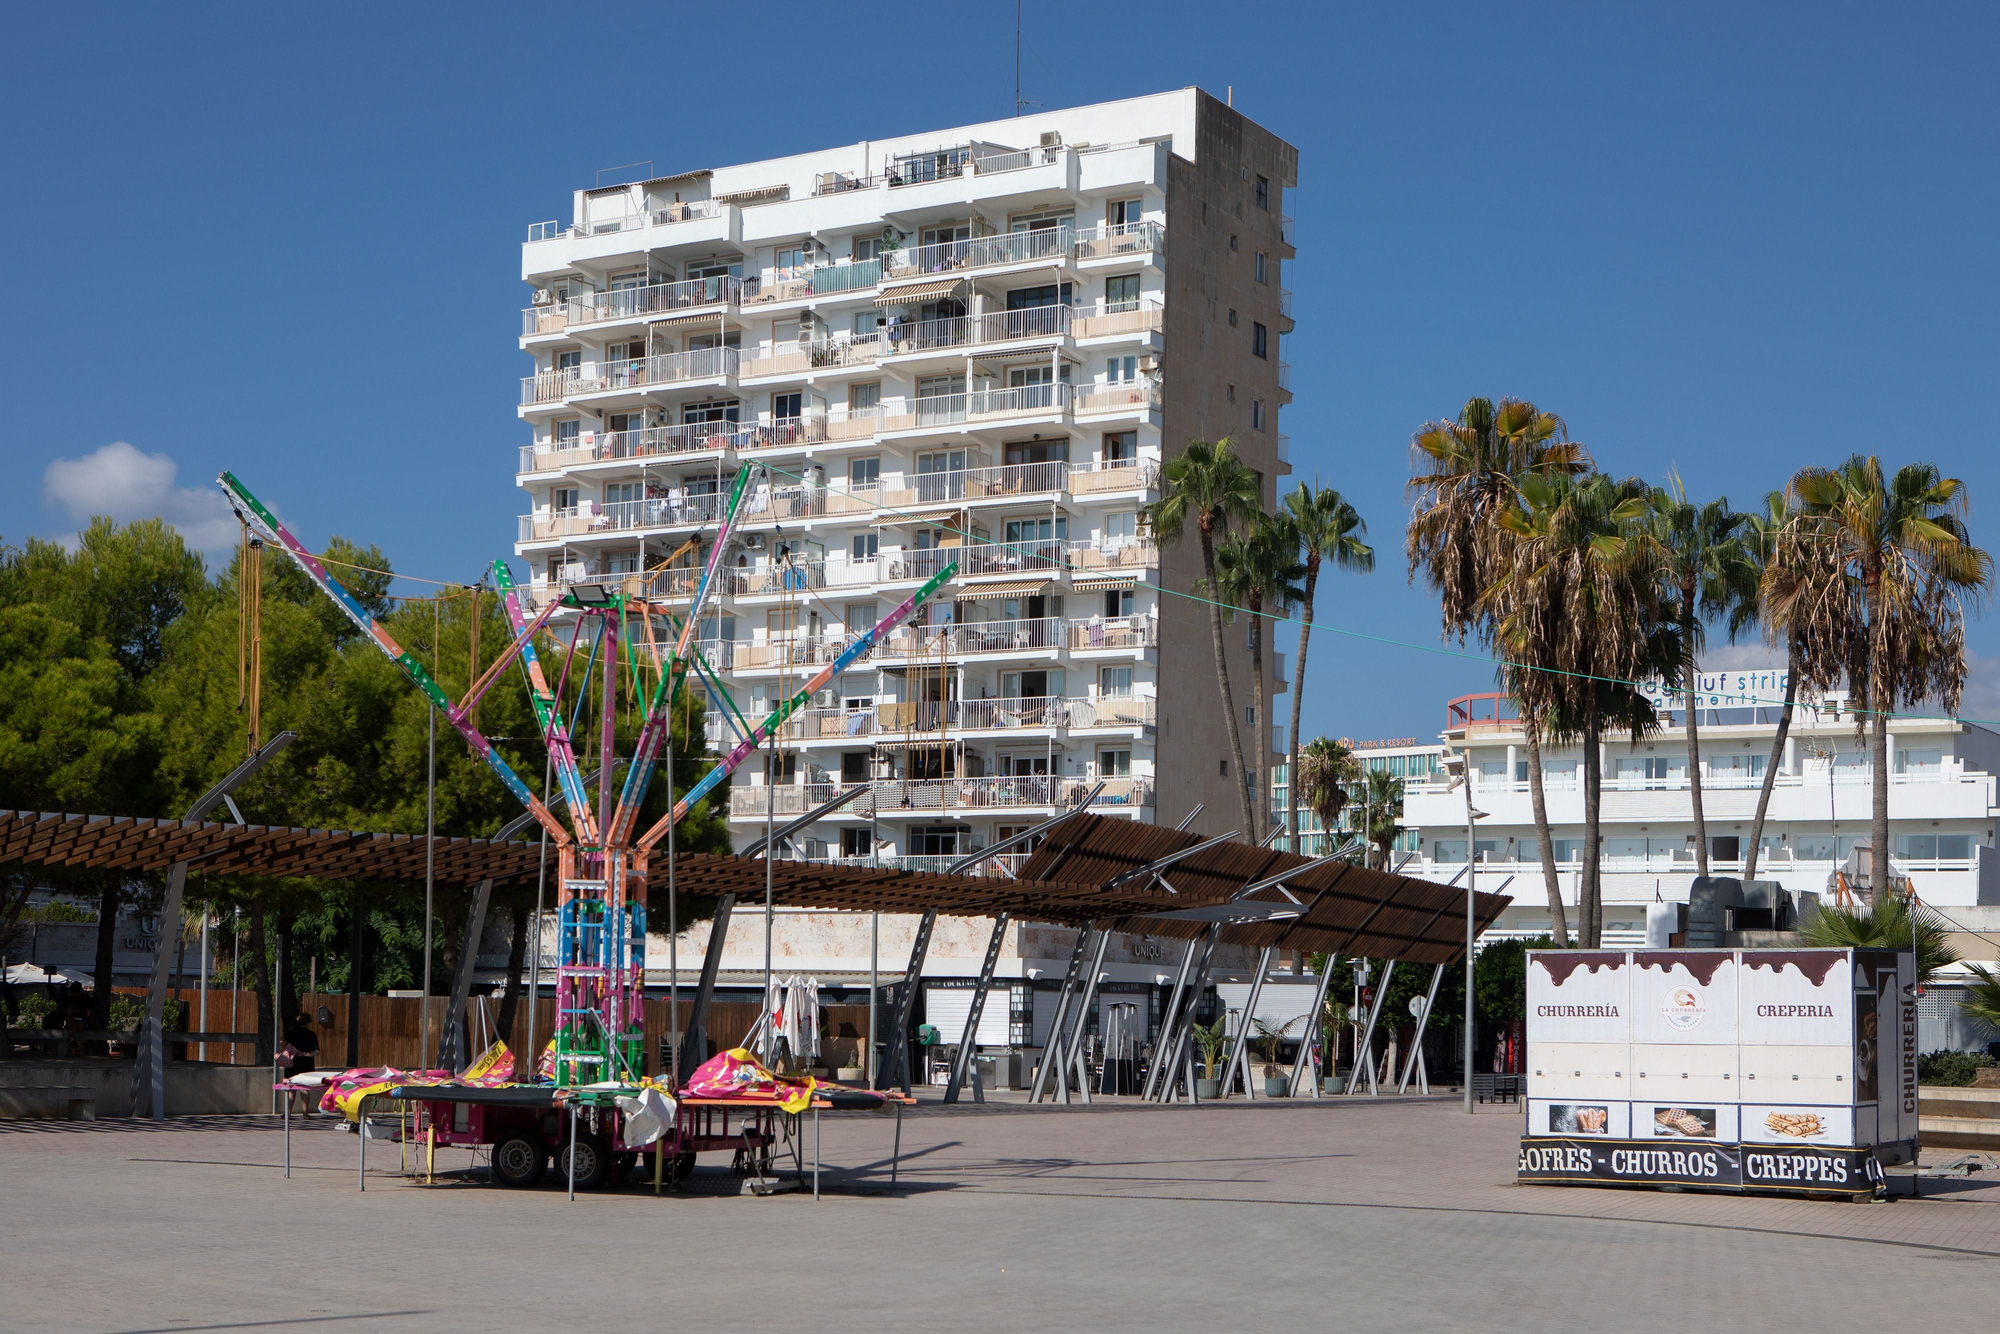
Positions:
(451, 1045)
(968, 1047)
(1169, 1022)
(1237, 1054)
(898, 1070)
(149, 1069)
(1364, 1050)
(1416, 1060)
(696, 1038)
(1080, 1022)
(1306, 1060)
(1182, 1055)
(1056, 1022)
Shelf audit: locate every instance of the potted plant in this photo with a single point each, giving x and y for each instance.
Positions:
(853, 1071)
(1210, 1039)
(1333, 1017)
(1271, 1038)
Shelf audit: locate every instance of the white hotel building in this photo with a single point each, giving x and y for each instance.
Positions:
(973, 345)
(1942, 805)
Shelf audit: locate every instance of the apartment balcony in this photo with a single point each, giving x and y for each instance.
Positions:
(1113, 475)
(1001, 865)
(668, 369)
(1118, 319)
(1285, 376)
(983, 252)
(899, 797)
(973, 484)
(1040, 636)
(660, 299)
(899, 719)
(631, 220)
(1285, 302)
(664, 441)
(1120, 241)
(832, 354)
(683, 510)
(1288, 230)
(1122, 398)
(967, 332)
(1285, 449)
(549, 319)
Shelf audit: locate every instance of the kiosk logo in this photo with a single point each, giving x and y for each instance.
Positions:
(1683, 1009)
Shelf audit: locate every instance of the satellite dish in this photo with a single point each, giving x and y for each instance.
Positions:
(1416, 1007)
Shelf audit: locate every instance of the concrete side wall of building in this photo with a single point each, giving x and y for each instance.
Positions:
(1212, 202)
(94, 1088)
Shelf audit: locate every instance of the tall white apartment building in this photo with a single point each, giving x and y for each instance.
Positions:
(974, 345)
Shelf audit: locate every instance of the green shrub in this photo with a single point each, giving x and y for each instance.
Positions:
(34, 1011)
(1950, 1069)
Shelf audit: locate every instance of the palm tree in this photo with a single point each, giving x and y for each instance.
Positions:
(1252, 569)
(1207, 485)
(1466, 476)
(1327, 527)
(1801, 594)
(1579, 610)
(1983, 1003)
(1320, 783)
(1704, 571)
(1891, 924)
(1382, 811)
(1902, 540)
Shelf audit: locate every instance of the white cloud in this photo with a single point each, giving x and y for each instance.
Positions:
(121, 482)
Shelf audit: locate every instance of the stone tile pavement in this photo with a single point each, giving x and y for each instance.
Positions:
(1398, 1215)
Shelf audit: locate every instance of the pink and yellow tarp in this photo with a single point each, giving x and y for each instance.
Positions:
(737, 1076)
(345, 1092)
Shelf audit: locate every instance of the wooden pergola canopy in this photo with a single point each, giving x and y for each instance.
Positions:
(1346, 910)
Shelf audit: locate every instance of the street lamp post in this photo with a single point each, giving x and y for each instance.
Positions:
(1459, 766)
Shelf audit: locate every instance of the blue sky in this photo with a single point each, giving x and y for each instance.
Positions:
(286, 241)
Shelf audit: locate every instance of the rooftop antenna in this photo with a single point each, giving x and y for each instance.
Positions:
(1019, 103)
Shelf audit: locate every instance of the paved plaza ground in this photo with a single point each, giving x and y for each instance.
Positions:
(1391, 1215)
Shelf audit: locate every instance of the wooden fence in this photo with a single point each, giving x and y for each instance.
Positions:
(390, 1027)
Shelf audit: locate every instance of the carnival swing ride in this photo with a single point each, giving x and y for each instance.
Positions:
(594, 1069)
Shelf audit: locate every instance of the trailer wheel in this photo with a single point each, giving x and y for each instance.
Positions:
(590, 1165)
(621, 1167)
(518, 1160)
(681, 1167)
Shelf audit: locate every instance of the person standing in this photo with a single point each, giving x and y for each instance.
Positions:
(303, 1044)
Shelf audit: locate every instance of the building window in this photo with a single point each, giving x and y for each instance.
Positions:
(856, 842)
(1123, 212)
(1122, 527)
(1232, 240)
(786, 407)
(1121, 370)
(1120, 445)
(864, 473)
(1257, 268)
(562, 499)
(567, 433)
(1256, 414)
(1229, 392)
(866, 248)
(864, 548)
(1259, 341)
(1232, 317)
(567, 361)
(1264, 193)
(1114, 764)
(1222, 768)
(1117, 603)
(1121, 293)
(1115, 682)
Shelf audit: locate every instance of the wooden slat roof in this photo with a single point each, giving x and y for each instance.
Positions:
(1345, 909)
(1348, 910)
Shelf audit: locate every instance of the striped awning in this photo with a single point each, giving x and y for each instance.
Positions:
(916, 741)
(928, 514)
(689, 321)
(930, 290)
(1101, 585)
(1012, 588)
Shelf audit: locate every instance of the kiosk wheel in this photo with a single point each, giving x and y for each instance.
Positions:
(519, 1161)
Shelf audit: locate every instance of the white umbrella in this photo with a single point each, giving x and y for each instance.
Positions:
(34, 975)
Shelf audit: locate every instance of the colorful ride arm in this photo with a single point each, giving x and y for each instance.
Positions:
(554, 731)
(646, 749)
(253, 512)
(766, 729)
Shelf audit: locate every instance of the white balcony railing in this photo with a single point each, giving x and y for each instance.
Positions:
(900, 796)
(1002, 326)
(660, 298)
(1125, 396)
(638, 373)
(1114, 319)
(628, 221)
(1118, 239)
(983, 252)
(544, 319)
(1114, 475)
